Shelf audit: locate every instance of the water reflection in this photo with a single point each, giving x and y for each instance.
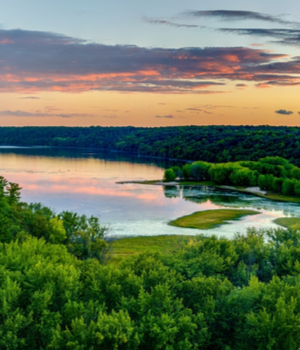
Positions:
(221, 198)
(87, 153)
(85, 181)
(172, 191)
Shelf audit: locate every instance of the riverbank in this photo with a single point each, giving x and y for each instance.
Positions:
(95, 149)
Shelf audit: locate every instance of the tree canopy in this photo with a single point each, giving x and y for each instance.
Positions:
(58, 292)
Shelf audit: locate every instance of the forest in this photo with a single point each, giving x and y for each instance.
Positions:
(270, 173)
(60, 290)
(215, 144)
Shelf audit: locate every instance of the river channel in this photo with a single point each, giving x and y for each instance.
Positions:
(85, 181)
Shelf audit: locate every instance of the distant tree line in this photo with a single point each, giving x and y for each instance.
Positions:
(274, 174)
(215, 144)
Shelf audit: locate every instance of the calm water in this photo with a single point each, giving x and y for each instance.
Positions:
(85, 182)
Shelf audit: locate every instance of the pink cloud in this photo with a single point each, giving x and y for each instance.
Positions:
(33, 61)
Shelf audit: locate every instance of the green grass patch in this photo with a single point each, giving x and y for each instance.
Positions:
(125, 247)
(288, 222)
(208, 219)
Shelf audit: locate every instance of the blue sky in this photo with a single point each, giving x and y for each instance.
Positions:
(121, 22)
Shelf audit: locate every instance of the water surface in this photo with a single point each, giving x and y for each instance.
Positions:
(84, 181)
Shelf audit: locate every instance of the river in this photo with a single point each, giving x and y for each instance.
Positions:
(84, 181)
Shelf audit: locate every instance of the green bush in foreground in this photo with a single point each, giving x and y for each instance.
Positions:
(210, 293)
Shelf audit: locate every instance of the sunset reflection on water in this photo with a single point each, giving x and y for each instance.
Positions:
(85, 182)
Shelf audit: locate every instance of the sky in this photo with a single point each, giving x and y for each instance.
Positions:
(149, 63)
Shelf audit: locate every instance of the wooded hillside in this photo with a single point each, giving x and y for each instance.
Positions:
(207, 143)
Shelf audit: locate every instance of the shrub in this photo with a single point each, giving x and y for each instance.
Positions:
(169, 175)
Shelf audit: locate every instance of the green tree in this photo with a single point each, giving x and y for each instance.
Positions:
(295, 173)
(220, 173)
(178, 172)
(200, 171)
(288, 187)
(57, 233)
(277, 184)
(14, 193)
(265, 182)
(186, 171)
(169, 175)
(297, 188)
(242, 177)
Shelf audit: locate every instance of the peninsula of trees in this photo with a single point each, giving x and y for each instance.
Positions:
(215, 144)
(274, 174)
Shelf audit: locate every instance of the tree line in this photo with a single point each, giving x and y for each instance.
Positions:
(274, 174)
(216, 144)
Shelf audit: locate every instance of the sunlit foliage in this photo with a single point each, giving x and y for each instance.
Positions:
(207, 293)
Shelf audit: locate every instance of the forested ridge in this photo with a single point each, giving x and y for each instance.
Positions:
(58, 292)
(207, 143)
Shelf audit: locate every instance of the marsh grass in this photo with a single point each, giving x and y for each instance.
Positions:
(125, 247)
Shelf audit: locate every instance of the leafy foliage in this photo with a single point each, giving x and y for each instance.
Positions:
(207, 293)
(84, 237)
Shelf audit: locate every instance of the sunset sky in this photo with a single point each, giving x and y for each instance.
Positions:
(149, 63)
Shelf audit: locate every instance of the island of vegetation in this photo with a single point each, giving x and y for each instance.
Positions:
(60, 291)
(208, 219)
(271, 177)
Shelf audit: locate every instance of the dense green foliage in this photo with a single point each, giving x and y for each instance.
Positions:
(206, 143)
(169, 175)
(208, 293)
(274, 174)
(82, 236)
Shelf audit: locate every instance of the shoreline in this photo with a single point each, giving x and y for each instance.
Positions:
(100, 149)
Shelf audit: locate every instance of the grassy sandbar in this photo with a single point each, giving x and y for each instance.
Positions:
(208, 219)
(288, 222)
